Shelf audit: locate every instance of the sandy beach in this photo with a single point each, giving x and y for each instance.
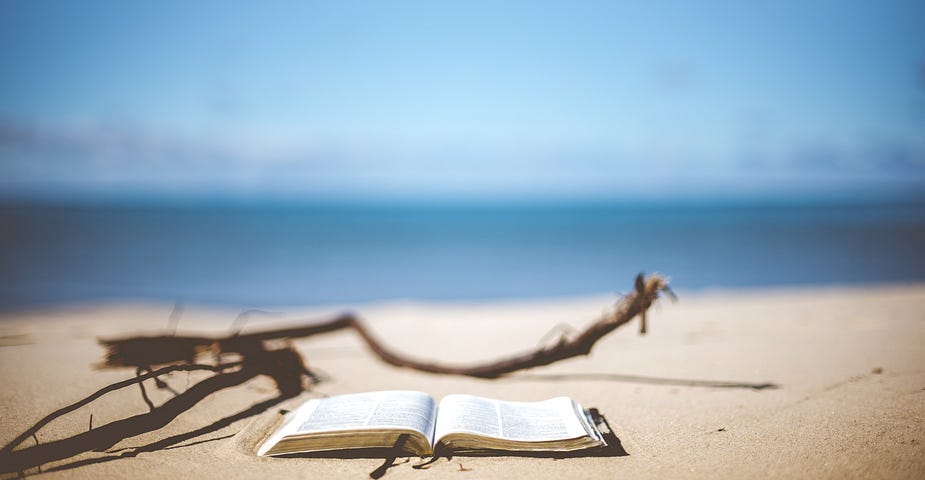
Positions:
(440, 189)
(818, 382)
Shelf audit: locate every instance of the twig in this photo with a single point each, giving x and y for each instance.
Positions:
(141, 385)
(174, 321)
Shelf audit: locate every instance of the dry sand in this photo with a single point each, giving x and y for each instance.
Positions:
(849, 364)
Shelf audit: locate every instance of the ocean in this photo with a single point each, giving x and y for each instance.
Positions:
(275, 255)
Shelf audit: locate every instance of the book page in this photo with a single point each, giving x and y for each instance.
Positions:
(375, 410)
(468, 413)
(550, 420)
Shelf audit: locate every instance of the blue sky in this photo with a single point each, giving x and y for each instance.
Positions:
(461, 99)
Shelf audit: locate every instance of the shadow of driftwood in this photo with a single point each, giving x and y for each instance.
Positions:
(171, 442)
(615, 377)
(104, 437)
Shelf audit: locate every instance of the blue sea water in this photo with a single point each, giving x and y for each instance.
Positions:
(253, 256)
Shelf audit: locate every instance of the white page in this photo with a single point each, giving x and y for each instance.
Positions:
(402, 409)
(387, 410)
(549, 420)
(468, 413)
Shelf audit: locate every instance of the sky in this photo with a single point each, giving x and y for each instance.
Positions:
(461, 100)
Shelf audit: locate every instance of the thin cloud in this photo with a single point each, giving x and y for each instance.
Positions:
(113, 157)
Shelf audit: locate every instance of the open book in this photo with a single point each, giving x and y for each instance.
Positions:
(413, 422)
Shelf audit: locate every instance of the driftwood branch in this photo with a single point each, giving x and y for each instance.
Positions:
(146, 351)
(631, 305)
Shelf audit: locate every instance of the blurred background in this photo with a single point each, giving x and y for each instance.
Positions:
(298, 153)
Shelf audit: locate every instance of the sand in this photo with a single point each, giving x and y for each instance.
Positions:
(848, 365)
